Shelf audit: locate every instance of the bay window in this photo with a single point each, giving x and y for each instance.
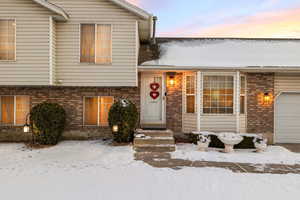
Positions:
(7, 40)
(96, 110)
(96, 43)
(14, 109)
(190, 94)
(243, 95)
(218, 94)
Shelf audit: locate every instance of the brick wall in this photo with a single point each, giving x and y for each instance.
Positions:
(174, 104)
(71, 98)
(260, 118)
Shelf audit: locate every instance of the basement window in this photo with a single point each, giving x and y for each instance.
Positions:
(14, 109)
(96, 110)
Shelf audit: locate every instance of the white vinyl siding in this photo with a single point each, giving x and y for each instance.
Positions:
(122, 70)
(287, 82)
(31, 66)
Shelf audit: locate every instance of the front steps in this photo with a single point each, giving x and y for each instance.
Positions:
(154, 141)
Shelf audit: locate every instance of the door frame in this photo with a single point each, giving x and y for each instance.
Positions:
(163, 91)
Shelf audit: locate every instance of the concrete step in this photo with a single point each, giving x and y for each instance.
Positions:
(156, 133)
(154, 141)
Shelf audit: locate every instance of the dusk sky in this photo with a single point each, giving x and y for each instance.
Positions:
(225, 18)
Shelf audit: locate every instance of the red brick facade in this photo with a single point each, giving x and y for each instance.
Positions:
(71, 98)
(260, 118)
(174, 104)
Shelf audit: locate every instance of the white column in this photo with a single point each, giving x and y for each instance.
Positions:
(199, 100)
(237, 100)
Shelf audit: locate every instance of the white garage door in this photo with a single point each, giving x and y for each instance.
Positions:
(287, 118)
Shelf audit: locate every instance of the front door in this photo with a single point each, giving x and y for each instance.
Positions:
(152, 99)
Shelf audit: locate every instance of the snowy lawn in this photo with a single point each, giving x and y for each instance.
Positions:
(93, 170)
(273, 155)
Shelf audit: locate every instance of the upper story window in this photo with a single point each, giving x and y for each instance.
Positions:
(7, 40)
(14, 109)
(190, 94)
(96, 43)
(218, 94)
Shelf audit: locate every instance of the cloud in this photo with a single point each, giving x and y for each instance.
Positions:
(279, 24)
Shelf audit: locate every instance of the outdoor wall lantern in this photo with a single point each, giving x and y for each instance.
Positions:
(115, 128)
(171, 78)
(26, 127)
(267, 98)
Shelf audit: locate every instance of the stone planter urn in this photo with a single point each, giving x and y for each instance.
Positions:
(260, 144)
(203, 142)
(229, 140)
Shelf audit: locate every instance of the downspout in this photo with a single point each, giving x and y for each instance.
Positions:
(154, 30)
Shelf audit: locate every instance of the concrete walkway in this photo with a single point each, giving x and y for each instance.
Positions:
(292, 147)
(164, 160)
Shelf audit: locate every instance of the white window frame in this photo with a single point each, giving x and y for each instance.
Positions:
(98, 110)
(195, 93)
(234, 92)
(15, 109)
(111, 44)
(15, 22)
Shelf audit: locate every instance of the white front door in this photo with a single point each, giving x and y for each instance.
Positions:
(152, 99)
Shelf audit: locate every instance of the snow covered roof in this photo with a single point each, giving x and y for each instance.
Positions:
(227, 53)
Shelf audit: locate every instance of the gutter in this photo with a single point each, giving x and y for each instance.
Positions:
(241, 68)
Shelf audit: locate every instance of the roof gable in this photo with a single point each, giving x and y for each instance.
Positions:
(121, 3)
(54, 8)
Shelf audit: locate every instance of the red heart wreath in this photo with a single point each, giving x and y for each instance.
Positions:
(154, 86)
(154, 95)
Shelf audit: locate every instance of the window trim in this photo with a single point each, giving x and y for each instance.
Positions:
(195, 93)
(244, 95)
(111, 44)
(202, 96)
(15, 57)
(98, 110)
(15, 109)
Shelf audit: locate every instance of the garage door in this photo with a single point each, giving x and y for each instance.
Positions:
(287, 118)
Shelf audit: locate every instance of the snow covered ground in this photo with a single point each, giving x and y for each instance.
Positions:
(273, 155)
(93, 170)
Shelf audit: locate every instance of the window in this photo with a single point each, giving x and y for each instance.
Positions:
(7, 39)
(96, 110)
(218, 94)
(14, 109)
(96, 44)
(190, 94)
(243, 95)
